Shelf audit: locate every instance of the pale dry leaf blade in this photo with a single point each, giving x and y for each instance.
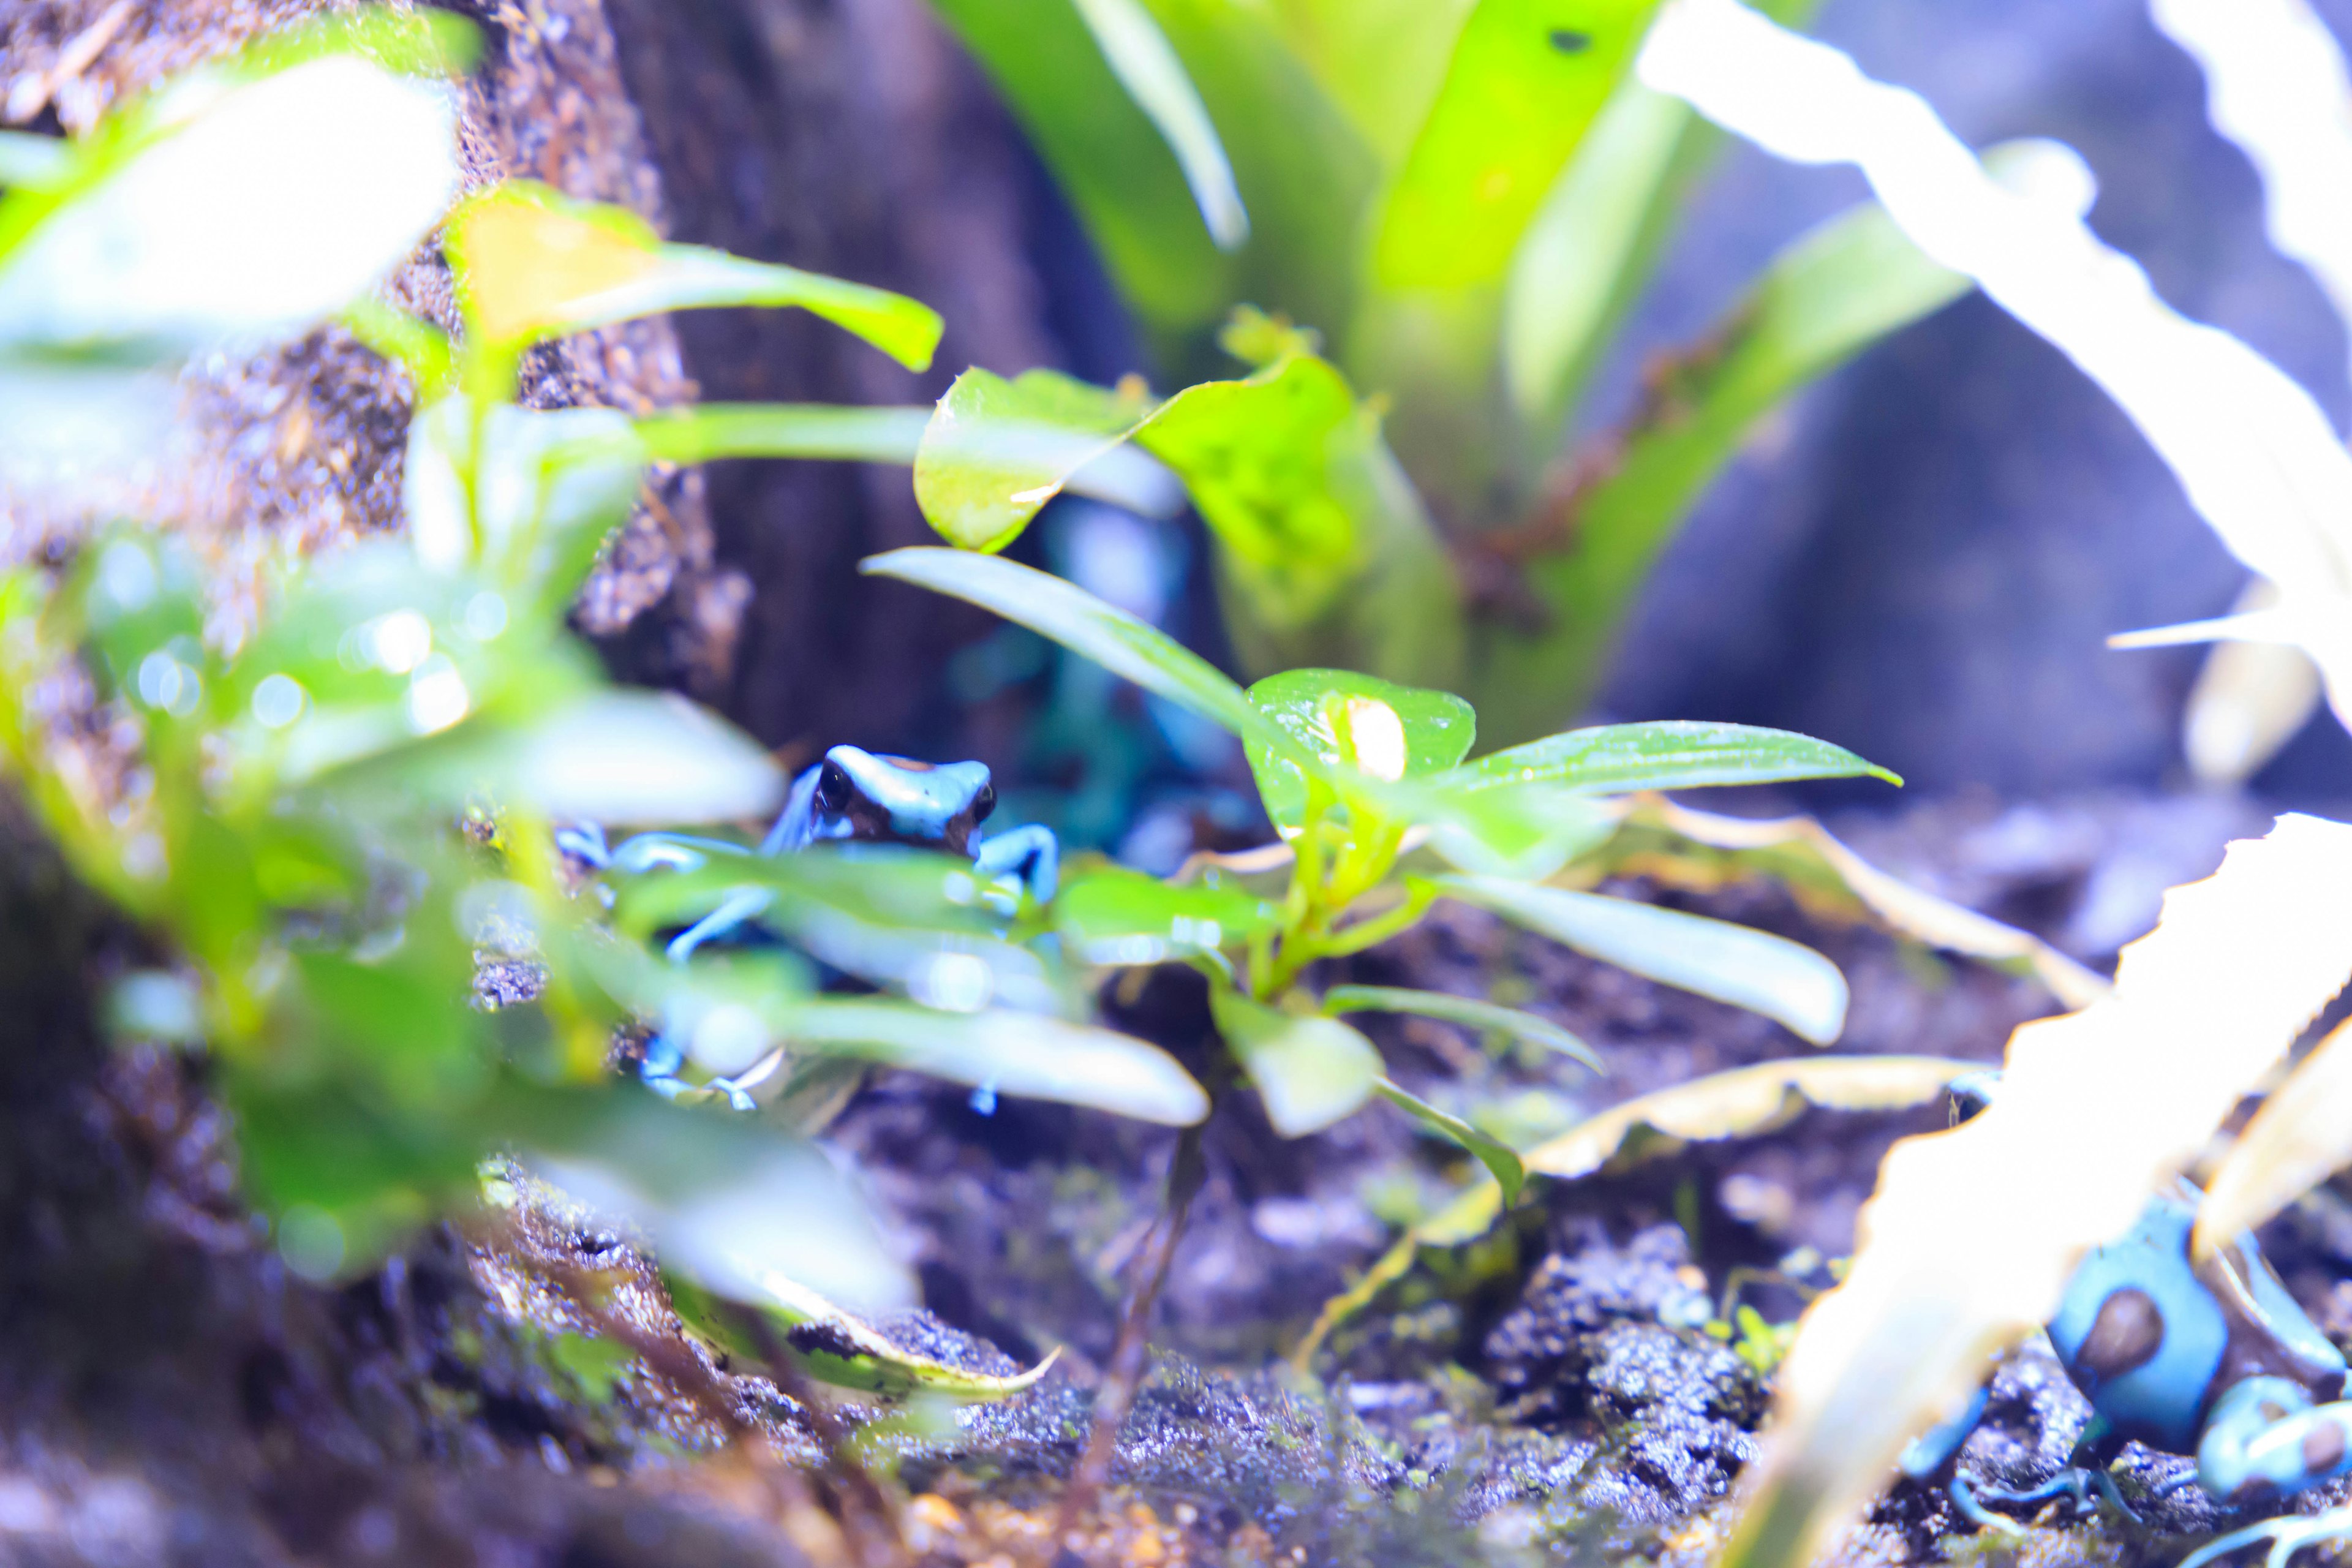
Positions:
(1973, 1232)
(2300, 1137)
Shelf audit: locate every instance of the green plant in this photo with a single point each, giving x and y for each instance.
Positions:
(1381, 817)
(327, 819)
(1463, 200)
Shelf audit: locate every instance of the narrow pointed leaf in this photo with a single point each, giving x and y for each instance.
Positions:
(1024, 1054)
(1140, 54)
(534, 264)
(836, 1348)
(1617, 758)
(709, 431)
(1464, 1010)
(1789, 984)
(1492, 1152)
(1743, 1102)
(1310, 1071)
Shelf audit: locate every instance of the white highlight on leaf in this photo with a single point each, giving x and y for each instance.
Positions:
(2254, 451)
(1140, 54)
(2276, 85)
(277, 202)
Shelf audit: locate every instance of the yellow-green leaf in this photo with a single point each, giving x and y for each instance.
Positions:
(834, 1347)
(2300, 1137)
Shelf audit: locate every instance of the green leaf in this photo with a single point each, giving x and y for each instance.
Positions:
(1115, 916)
(1310, 1071)
(27, 160)
(1617, 758)
(1025, 1055)
(1140, 56)
(709, 431)
(995, 450)
(1325, 552)
(1495, 1155)
(1525, 831)
(1127, 648)
(835, 1348)
(1382, 61)
(1827, 296)
(534, 264)
(1526, 79)
(1354, 722)
(1112, 162)
(1464, 1010)
(1785, 981)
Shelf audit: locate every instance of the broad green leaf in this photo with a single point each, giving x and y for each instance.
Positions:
(1024, 1054)
(1831, 294)
(1526, 79)
(1112, 162)
(1356, 722)
(1974, 1232)
(1310, 1071)
(1791, 984)
(836, 1348)
(1382, 61)
(996, 450)
(1525, 831)
(263, 206)
(1138, 55)
(1741, 1103)
(1127, 648)
(1116, 915)
(2301, 1136)
(1617, 758)
(1464, 1010)
(534, 264)
(1494, 1155)
(1325, 552)
(1594, 245)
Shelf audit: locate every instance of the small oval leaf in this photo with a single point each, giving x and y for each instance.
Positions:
(1357, 722)
(1784, 981)
(1311, 1071)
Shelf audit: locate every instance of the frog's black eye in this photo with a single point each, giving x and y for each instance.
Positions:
(983, 802)
(833, 788)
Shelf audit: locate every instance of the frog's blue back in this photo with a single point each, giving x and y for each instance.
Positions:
(2152, 1339)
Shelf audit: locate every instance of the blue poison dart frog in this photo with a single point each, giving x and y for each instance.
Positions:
(2211, 1359)
(851, 796)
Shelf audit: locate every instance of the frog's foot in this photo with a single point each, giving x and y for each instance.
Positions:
(662, 1062)
(2287, 1535)
(1031, 856)
(736, 911)
(585, 842)
(2087, 1486)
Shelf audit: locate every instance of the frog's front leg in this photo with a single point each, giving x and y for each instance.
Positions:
(1031, 855)
(2267, 1438)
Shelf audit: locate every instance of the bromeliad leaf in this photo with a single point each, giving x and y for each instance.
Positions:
(1789, 984)
(997, 450)
(1526, 81)
(1139, 54)
(1495, 1154)
(1354, 722)
(1617, 758)
(835, 1348)
(1115, 916)
(1741, 1103)
(533, 264)
(1310, 1071)
(1464, 1010)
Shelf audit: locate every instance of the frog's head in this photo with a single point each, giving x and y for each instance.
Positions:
(900, 800)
